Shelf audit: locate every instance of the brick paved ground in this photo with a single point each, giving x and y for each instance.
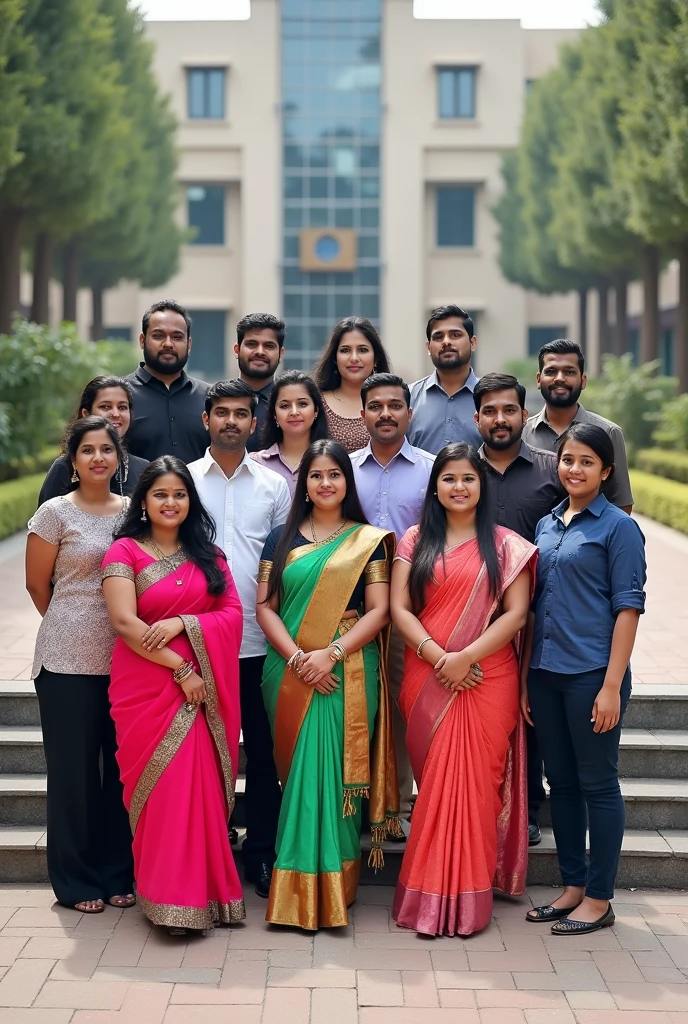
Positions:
(57, 966)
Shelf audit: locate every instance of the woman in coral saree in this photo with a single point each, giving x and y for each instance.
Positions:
(323, 601)
(174, 693)
(460, 596)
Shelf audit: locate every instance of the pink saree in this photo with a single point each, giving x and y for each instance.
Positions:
(178, 763)
(469, 830)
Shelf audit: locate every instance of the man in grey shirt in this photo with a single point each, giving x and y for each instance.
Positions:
(443, 402)
(561, 380)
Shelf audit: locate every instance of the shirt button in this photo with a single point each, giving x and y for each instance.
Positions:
(174, 444)
(384, 494)
(171, 419)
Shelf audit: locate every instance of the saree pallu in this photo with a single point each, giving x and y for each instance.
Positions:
(178, 762)
(323, 741)
(469, 832)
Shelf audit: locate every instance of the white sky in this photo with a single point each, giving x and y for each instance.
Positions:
(533, 13)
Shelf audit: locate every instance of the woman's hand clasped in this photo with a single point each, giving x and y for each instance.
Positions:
(194, 689)
(161, 632)
(316, 670)
(456, 672)
(606, 711)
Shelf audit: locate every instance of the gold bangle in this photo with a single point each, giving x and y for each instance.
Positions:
(339, 652)
(419, 648)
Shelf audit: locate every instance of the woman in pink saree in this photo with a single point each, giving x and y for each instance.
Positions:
(460, 594)
(174, 693)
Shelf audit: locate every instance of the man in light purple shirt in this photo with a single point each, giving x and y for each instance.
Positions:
(391, 480)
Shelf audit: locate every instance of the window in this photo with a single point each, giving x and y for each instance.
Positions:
(456, 215)
(206, 93)
(539, 336)
(117, 333)
(206, 213)
(207, 359)
(456, 93)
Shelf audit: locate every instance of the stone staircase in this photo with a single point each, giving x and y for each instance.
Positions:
(654, 770)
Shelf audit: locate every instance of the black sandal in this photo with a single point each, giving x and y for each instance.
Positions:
(549, 913)
(567, 927)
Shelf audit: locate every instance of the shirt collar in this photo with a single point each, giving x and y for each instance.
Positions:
(272, 451)
(209, 464)
(596, 507)
(541, 417)
(406, 451)
(525, 452)
(146, 376)
(433, 382)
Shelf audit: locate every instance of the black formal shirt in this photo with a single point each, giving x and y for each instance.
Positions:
(527, 490)
(255, 441)
(59, 478)
(167, 421)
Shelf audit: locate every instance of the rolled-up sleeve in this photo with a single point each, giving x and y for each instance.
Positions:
(627, 566)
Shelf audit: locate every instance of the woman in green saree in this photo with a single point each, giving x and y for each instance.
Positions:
(323, 604)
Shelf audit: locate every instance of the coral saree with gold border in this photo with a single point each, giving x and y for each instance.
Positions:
(177, 762)
(469, 830)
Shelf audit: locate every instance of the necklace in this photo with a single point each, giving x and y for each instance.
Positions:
(163, 557)
(332, 535)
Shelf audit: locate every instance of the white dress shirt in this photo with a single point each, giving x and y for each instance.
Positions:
(245, 507)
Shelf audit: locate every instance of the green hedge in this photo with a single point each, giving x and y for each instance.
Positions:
(28, 465)
(18, 499)
(660, 499)
(671, 464)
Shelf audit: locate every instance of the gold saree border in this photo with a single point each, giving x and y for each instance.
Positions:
(169, 915)
(161, 757)
(324, 613)
(119, 569)
(356, 752)
(217, 727)
(310, 901)
(157, 571)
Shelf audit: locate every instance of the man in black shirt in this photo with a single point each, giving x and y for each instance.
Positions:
(168, 404)
(259, 349)
(523, 487)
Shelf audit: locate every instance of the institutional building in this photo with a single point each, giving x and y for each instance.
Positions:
(340, 157)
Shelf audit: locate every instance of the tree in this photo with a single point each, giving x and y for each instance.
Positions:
(18, 75)
(72, 138)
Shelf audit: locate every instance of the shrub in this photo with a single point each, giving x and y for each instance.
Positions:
(30, 464)
(18, 499)
(663, 500)
(673, 425)
(632, 396)
(670, 464)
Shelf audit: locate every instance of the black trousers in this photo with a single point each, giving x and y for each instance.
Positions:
(89, 838)
(536, 791)
(263, 794)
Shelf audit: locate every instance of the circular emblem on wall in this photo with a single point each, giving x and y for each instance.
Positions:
(327, 248)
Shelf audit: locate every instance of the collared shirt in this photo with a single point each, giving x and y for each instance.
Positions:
(588, 572)
(526, 491)
(255, 441)
(167, 421)
(440, 419)
(245, 508)
(392, 496)
(538, 432)
(272, 458)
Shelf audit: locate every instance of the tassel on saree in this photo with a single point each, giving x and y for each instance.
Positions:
(348, 808)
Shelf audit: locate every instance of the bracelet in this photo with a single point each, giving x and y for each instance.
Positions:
(337, 652)
(184, 670)
(419, 648)
(295, 660)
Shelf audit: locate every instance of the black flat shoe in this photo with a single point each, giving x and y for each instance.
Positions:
(534, 835)
(567, 927)
(261, 879)
(233, 837)
(549, 913)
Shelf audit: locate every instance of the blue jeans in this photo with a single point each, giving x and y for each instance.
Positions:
(582, 768)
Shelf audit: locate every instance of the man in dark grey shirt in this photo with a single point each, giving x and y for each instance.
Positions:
(259, 349)
(561, 380)
(168, 404)
(523, 487)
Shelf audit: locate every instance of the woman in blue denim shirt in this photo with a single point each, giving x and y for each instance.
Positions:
(588, 599)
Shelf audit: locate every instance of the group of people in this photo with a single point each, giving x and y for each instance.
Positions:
(375, 583)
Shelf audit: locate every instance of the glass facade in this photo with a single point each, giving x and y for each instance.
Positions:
(331, 106)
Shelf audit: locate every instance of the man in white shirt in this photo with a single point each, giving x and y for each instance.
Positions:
(246, 501)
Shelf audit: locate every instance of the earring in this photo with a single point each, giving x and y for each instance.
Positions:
(144, 517)
(75, 476)
(307, 499)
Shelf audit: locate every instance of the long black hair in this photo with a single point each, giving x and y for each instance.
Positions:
(595, 438)
(272, 433)
(325, 374)
(196, 533)
(351, 506)
(432, 531)
(77, 430)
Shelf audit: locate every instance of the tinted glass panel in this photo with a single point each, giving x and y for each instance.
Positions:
(456, 92)
(455, 215)
(206, 213)
(207, 359)
(206, 93)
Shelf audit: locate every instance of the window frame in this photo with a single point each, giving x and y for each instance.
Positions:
(456, 187)
(456, 71)
(220, 187)
(206, 72)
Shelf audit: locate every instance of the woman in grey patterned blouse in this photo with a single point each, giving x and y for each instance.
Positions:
(89, 840)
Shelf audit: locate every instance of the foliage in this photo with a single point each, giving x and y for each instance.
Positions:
(670, 464)
(631, 396)
(17, 78)
(673, 425)
(42, 373)
(18, 500)
(523, 369)
(663, 500)
(28, 465)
